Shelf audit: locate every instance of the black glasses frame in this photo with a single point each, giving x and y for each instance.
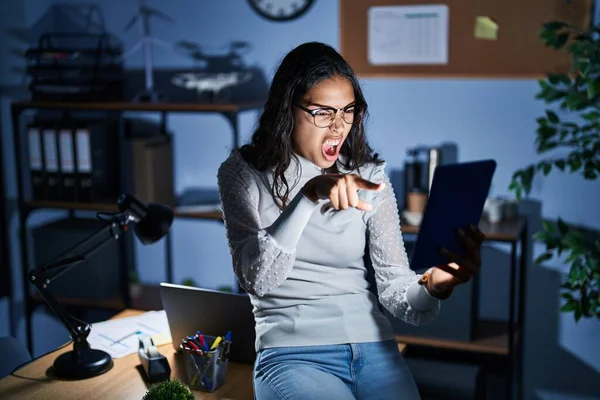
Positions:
(357, 116)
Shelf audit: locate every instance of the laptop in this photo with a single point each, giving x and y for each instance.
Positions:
(213, 313)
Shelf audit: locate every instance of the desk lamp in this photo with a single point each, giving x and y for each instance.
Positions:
(152, 222)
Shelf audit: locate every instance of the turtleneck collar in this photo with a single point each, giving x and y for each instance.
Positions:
(303, 167)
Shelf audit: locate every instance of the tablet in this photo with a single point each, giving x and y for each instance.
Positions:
(456, 199)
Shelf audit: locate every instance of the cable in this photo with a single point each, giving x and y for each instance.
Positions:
(37, 358)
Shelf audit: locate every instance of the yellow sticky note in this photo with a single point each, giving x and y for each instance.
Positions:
(486, 28)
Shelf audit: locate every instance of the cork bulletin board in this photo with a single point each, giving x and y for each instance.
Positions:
(455, 38)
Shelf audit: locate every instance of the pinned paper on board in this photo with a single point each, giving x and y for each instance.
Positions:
(486, 28)
(414, 34)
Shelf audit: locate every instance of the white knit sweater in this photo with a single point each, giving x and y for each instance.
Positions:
(304, 269)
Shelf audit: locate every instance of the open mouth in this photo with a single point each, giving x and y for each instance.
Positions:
(331, 148)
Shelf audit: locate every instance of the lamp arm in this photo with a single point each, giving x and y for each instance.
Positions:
(41, 276)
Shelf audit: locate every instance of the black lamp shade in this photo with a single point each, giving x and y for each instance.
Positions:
(155, 224)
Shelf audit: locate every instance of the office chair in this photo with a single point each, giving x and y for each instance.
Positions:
(13, 354)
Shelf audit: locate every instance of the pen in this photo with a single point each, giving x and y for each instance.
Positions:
(185, 347)
(194, 339)
(192, 344)
(202, 341)
(216, 342)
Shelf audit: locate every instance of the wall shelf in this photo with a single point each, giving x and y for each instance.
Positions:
(25, 206)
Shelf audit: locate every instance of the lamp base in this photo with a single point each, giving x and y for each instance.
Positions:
(82, 364)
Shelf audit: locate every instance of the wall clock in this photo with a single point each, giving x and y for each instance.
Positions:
(280, 10)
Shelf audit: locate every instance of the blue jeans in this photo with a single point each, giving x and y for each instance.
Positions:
(374, 370)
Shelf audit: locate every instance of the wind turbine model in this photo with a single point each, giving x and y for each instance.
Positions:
(147, 41)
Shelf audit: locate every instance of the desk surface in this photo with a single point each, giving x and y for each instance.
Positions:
(123, 381)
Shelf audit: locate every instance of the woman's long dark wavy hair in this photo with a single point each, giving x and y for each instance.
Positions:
(271, 144)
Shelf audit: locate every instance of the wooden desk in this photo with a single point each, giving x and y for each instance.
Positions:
(123, 381)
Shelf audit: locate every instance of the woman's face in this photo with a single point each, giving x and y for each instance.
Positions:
(321, 145)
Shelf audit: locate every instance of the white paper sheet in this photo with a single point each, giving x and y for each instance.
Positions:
(119, 337)
(408, 35)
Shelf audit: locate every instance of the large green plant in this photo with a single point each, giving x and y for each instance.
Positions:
(571, 146)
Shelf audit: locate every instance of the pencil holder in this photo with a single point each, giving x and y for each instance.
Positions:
(207, 370)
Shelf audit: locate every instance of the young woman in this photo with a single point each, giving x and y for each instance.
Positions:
(302, 202)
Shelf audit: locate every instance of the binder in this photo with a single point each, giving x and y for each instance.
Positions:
(83, 172)
(50, 149)
(97, 177)
(36, 162)
(67, 163)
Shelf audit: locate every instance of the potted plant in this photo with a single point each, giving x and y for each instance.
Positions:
(571, 144)
(225, 288)
(169, 390)
(189, 282)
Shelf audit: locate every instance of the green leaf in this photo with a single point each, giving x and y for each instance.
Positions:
(571, 125)
(567, 296)
(555, 79)
(561, 39)
(544, 257)
(574, 239)
(572, 257)
(548, 37)
(576, 101)
(553, 26)
(591, 116)
(548, 226)
(574, 273)
(583, 37)
(560, 164)
(547, 168)
(583, 65)
(544, 146)
(553, 243)
(541, 236)
(575, 164)
(593, 88)
(569, 306)
(552, 117)
(563, 228)
(527, 178)
(519, 193)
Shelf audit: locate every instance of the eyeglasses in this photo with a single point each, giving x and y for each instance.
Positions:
(324, 117)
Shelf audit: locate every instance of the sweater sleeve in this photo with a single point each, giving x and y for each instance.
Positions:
(397, 284)
(262, 257)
